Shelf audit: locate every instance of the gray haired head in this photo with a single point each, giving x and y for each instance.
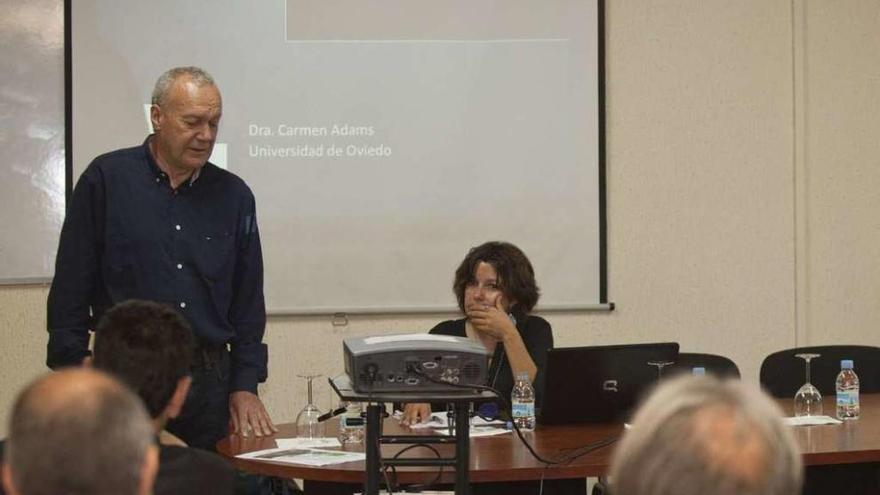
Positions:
(698, 435)
(195, 74)
(80, 432)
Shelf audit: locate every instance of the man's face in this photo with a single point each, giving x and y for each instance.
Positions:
(186, 125)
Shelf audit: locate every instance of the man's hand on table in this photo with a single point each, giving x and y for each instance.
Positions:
(247, 414)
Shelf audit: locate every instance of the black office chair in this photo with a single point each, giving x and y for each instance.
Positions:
(719, 366)
(782, 374)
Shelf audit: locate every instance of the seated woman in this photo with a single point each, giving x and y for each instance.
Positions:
(496, 291)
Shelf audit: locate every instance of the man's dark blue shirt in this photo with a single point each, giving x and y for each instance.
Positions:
(128, 235)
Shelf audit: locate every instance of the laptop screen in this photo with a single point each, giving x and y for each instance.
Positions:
(600, 384)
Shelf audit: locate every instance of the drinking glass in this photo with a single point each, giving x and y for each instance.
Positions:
(307, 425)
(807, 400)
(660, 365)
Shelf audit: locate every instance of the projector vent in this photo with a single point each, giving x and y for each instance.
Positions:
(471, 372)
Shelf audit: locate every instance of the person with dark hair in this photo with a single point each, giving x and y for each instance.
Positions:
(149, 347)
(160, 222)
(496, 291)
(79, 432)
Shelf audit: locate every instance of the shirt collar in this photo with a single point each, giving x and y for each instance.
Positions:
(158, 173)
(195, 176)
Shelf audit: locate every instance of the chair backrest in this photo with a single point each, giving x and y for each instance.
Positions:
(782, 373)
(720, 366)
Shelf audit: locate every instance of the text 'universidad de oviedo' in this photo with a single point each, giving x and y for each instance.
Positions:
(319, 151)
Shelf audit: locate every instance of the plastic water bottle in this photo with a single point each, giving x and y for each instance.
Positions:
(522, 401)
(351, 423)
(847, 391)
(698, 371)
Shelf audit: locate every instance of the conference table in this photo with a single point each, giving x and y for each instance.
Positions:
(505, 458)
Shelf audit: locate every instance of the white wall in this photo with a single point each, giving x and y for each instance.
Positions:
(840, 169)
(742, 212)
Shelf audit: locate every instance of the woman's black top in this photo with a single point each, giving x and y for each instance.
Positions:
(536, 335)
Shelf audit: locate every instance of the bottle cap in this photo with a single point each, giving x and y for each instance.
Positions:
(846, 364)
(699, 371)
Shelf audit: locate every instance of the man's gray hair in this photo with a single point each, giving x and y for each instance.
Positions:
(196, 74)
(699, 435)
(78, 432)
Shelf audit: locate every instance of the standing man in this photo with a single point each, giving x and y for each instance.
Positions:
(160, 222)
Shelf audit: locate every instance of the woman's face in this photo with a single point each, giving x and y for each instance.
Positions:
(484, 290)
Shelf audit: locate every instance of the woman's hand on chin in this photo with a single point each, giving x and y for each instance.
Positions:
(492, 321)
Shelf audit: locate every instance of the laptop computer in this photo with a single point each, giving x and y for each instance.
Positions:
(599, 384)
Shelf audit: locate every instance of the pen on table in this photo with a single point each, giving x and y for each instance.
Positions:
(335, 412)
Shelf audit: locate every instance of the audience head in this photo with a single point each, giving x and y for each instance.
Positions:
(699, 435)
(149, 347)
(509, 270)
(79, 432)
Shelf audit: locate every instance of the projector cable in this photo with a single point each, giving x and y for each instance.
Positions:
(564, 459)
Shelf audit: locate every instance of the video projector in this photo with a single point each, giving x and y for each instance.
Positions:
(401, 363)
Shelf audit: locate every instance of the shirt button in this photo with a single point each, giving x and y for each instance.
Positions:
(158, 179)
(183, 305)
(177, 227)
(180, 266)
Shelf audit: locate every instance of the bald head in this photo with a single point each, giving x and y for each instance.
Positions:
(74, 388)
(79, 431)
(697, 435)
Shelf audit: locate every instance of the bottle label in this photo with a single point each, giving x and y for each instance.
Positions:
(523, 409)
(847, 398)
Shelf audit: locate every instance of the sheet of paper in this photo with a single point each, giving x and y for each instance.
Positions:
(440, 420)
(307, 457)
(478, 431)
(435, 421)
(810, 420)
(307, 443)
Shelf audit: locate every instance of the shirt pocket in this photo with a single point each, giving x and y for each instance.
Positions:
(215, 255)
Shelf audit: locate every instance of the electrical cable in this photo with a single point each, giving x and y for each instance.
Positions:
(420, 486)
(581, 451)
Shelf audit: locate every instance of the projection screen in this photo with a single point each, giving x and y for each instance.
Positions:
(381, 138)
